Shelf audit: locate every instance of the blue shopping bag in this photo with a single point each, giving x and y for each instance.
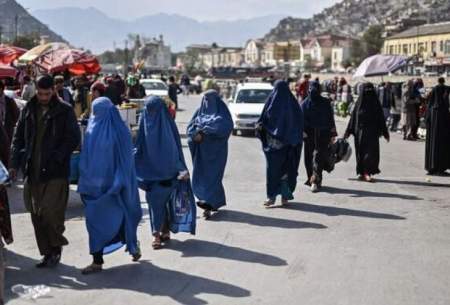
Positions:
(182, 208)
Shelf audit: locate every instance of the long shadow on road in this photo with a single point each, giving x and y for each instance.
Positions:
(142, 277)
(414, 183)
(335, 211)
(202, 248)
(263, 221)
(362, 193)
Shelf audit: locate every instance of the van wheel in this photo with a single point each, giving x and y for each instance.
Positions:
(235, 132)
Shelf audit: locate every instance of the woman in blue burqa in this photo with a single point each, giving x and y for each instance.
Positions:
(108, 185)
(161, 168)
(280, 129)
(320, 131)
(208, 134)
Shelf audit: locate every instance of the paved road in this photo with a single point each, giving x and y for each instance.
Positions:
(354, 243)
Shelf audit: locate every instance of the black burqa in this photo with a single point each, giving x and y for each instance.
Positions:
(367, 125)
(437, 151)
(320, 128)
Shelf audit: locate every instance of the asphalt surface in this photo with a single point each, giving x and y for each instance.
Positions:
(354, 243)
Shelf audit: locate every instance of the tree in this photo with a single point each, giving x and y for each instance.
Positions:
(191, 61)
(358, 52)
(327, 63)
(26, 41)
(347, 63)
(373, 40)
(309, 64)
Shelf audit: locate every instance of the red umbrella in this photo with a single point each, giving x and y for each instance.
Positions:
(7, 71)
(76, 61)
(8, 54)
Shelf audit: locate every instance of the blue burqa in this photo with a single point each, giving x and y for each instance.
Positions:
(107, 184)
(281, 134)
(159, 160)
(213, 121)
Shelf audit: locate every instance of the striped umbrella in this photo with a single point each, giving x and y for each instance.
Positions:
(7, 71)
(9, 54)
(76, 61)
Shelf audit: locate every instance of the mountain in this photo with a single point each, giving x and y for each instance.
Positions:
(94, 30)
(353, 17)
(12, 14)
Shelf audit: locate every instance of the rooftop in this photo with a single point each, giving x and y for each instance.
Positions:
(423, 30)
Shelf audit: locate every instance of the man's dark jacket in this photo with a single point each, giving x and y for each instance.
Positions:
(61, 138)
(12, 114)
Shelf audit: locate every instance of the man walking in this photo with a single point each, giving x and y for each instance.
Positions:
(47, 134)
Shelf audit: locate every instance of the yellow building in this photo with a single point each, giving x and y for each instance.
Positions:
(431, 42)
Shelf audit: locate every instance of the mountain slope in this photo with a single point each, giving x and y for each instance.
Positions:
(26, 23)
(94, 30)
(353, 17)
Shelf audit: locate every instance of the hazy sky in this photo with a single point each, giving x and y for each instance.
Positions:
(198, 9)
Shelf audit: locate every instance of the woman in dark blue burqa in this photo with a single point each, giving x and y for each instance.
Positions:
(160, 167)
(281, 132)
(320, 130)
(208, 132)
(108, 185)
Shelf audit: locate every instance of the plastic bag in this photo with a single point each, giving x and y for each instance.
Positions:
(182, 208)
(4, 175)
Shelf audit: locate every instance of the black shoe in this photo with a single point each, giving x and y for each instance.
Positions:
(44, 262)
(54, 260)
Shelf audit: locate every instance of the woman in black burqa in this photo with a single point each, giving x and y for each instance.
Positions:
(367, 125)
(437, 151)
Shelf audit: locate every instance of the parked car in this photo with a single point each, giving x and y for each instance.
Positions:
(430, 74)
(247, 105)
(154, 87)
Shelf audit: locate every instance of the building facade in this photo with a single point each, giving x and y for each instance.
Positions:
(430, 43)
(154, 54)
(253, 52)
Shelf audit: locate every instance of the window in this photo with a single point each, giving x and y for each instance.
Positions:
(405, 49)
(433, 46)
(447, 47)
(391, 50)
(420, 48)
(415, 48)
(441, 46)
(426, 47)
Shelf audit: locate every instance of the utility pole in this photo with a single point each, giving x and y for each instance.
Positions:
(125, 65)
(16, 26)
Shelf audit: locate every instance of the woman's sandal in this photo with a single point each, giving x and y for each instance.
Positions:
(91, 269)
(165, 237)
(284, 202)
(156, 244)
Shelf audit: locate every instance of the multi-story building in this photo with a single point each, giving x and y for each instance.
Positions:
(154, 54)
(253, 52)
(430, 43)
(275, 53)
